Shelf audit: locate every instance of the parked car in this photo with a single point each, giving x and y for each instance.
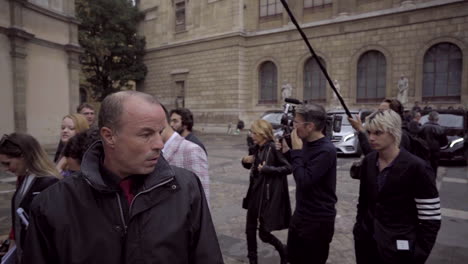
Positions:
(346, 141)
(455, 123)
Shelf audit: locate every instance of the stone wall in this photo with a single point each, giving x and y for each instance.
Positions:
(38, 66)
(221, 72)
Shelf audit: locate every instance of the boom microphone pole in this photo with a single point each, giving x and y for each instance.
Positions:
(324, 71)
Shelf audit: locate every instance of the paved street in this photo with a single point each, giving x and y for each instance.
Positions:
(229, 182)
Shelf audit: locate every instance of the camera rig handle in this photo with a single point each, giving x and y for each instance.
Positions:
(324, 71)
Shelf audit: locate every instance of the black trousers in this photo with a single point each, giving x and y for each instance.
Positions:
(311, 244)
(265, 236)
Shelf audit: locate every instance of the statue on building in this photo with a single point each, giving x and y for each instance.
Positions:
(403, 90)
(286, 90)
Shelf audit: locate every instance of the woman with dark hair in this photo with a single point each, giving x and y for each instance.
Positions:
(77, 146)
(267, 201)
(22, 155)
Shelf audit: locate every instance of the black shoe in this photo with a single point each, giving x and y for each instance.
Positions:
(253, 261)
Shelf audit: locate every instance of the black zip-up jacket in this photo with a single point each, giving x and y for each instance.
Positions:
(268, 190)
(85, 219)
(38, 184)
(407, 209)
(434, 135)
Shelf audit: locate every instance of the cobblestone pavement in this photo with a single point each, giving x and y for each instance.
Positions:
(229, 183)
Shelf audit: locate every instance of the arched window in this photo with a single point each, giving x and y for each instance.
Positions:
(371, 77)
(268, 83)
(442, 73)
(314, 81)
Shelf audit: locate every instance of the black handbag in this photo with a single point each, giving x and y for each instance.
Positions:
(355, 170)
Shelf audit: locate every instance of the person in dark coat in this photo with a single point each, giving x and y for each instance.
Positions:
(435, 137)
(313, 161)
(386, 104)
(22, 155)
(127, 204)
(398, 215)
(267, 200)
(414, 126)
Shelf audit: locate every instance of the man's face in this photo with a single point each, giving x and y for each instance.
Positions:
(89, 114)
(138, 143)
(384, 106)
(303, 128)
(176, 123)
(380, 140)
(417, 116)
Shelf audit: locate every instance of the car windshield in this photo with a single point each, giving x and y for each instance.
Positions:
(273, 118)
(446, 120)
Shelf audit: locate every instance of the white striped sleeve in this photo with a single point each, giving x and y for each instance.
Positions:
(428, 209)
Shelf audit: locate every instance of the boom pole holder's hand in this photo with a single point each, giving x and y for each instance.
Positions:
(304, 37)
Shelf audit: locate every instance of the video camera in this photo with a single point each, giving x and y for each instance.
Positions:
(333, 123)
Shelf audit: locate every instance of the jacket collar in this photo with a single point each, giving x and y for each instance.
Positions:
(171, 149)
(398, 168)
(92, 171)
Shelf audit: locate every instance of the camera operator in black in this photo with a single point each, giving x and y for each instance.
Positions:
(267, 199)
(313, 160)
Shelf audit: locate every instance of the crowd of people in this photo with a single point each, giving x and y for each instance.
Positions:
(133, 187)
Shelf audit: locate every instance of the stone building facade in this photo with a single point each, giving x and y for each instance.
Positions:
(39, 66)
(229, 59)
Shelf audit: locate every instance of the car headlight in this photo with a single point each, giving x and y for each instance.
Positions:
(456, 141)
(348, 137)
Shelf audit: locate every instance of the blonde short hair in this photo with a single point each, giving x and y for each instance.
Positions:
(263, 128)
(80, 122)
(386, 121)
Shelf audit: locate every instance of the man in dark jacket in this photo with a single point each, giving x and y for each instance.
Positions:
(435, 137)
(313, 160)
(398, 214)
(127, 205)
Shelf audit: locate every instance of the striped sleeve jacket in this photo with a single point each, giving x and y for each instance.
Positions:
(405, 214)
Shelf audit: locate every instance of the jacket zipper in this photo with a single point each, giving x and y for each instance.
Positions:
(268, 191)
(145, 191)
(134, 198)
(121, 213)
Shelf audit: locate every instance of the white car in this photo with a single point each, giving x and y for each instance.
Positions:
(346, 141)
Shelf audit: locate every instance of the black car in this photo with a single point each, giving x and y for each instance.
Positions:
(455, 123)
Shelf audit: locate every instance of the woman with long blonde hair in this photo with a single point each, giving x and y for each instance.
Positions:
(267, 201)
(22, 155)
(71, 125)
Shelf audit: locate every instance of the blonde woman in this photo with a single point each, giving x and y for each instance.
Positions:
(267, 201)
(71, 125)
(22, 155)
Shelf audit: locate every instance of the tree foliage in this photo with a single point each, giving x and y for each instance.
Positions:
(113, 52)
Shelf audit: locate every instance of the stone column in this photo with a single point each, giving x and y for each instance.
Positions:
(18, 41)
(74, 68)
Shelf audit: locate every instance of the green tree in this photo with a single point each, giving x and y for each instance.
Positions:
(113, 52)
